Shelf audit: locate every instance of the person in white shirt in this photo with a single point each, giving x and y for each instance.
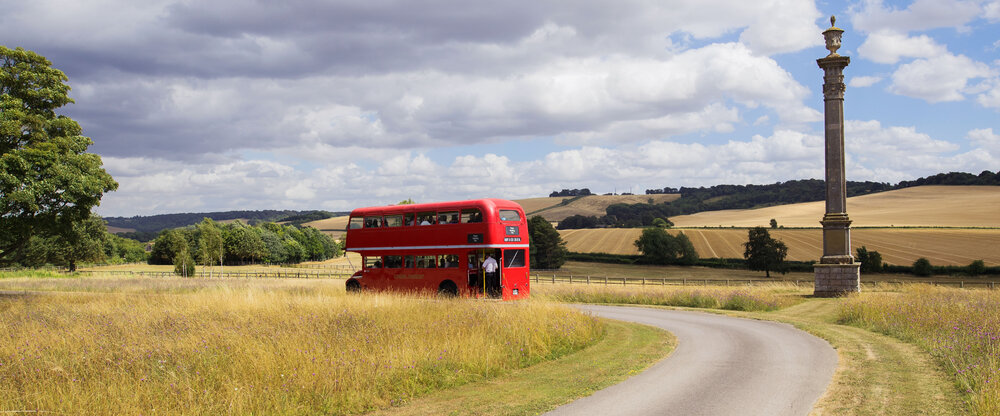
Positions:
(490, 267)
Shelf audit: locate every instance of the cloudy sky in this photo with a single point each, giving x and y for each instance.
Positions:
(218, 105)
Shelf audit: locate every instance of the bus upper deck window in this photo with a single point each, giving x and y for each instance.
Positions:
(393, 220)
(373, 222)
(509, 215)
(408, 219)
(426, 218)
(357, 222)
(448, 217)
(471, 215)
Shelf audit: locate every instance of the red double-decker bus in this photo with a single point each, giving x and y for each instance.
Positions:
(475, 248)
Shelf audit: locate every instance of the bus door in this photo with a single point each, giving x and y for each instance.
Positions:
(477, 279)
(493, 286)
(513, 265)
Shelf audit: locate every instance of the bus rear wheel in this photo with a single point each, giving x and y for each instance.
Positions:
(353, 286)
(448, 289)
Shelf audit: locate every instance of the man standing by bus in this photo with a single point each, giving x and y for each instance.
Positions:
(490, 267)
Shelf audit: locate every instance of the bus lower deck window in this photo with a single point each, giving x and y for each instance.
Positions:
(471, 215)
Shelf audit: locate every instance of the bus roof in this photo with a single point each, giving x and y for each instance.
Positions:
(436, 206)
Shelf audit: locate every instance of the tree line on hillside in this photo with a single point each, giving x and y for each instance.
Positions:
(210, 243)
(571, 192)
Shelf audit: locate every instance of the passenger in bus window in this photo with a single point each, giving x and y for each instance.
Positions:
(408, 219)
(454, 219)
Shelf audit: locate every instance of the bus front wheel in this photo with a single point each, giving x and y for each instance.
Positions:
(448, 288)
(353, 286)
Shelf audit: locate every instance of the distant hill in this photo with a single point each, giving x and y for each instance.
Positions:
(155, 223)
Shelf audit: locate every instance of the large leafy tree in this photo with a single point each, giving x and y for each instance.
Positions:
(660, 247)
(763, 252)
(48, 182)
(547, 249)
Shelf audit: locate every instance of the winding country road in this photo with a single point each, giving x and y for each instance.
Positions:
(721, 366)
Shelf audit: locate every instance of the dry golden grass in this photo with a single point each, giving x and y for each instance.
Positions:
(534, 204)
(330, 224)
(922, 206)
(897, 246)
(961, 328)
(257, 347)
(761, 298)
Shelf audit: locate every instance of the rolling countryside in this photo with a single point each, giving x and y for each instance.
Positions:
(952, 225)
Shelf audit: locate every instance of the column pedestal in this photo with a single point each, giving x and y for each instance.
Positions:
(837, 279)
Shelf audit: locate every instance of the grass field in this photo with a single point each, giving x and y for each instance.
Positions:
(897, 246)
(172, 346)
(921, 206)
(961, 328)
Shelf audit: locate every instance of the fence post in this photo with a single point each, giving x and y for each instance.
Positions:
(961, 285)
(684, 282)
(571, 278)
(644, 281)
(588, 279)
(623, 281)
(553, 278)
(605, 280)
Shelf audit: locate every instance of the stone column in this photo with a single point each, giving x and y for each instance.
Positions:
(836, 273)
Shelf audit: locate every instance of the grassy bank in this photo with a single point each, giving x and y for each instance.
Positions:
(768, 298)
(258, 348)
(960, 328)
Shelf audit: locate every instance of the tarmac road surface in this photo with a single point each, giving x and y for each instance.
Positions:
(721, 366)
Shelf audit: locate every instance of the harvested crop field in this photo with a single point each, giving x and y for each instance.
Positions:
(921, 206)
(597, 205)
(897, 246)
(535, 204)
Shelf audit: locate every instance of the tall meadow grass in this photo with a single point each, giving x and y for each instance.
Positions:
(959, 327)
(758, 298)
(261, 348)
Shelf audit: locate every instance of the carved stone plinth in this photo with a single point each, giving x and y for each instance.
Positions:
(837, 279)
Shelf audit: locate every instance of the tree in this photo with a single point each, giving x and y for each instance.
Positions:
(166, 246)
(407, 201)
(184, 263)
(84, 241)
(546, 249)
(210, 249)
(774, 223)
(977, 267)
(47, 180)
(658, 246)
(922, 267)
(871, 261)
(763, 252)
(688, 255)
(662, 223)
(244, 243)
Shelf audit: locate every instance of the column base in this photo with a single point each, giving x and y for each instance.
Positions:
(834, 280)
